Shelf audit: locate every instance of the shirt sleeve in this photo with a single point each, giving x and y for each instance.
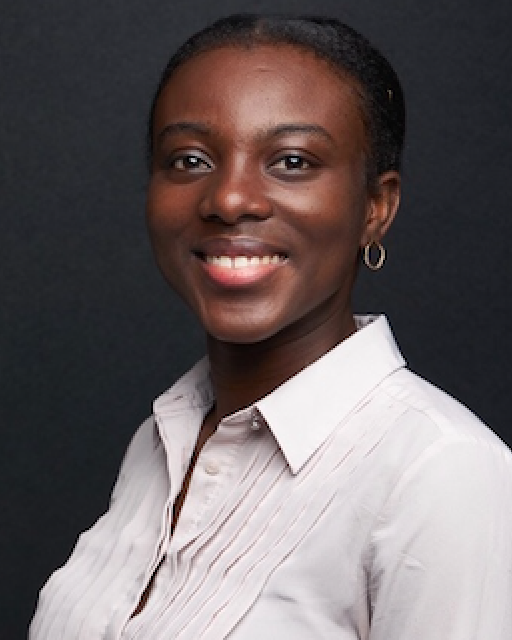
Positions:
(441, 553)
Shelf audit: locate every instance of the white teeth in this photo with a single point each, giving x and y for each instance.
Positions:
(241, 262)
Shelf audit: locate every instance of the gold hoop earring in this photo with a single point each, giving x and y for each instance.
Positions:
(374, 266)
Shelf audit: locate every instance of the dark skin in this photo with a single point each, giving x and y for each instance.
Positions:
(250, 163)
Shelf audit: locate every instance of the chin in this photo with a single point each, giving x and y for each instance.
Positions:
(238, 335)
(241, 322)
(239, 330)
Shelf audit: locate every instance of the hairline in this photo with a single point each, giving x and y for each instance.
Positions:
(259, 40)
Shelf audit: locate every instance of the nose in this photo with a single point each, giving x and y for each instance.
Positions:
(236, 191)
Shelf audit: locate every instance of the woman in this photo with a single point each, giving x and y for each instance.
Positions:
(299, 482)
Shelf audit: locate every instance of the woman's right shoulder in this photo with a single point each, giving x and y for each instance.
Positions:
(144, 440)
(143, 451)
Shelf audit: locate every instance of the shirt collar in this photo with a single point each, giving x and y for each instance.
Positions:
(193, 390)
(304, 410)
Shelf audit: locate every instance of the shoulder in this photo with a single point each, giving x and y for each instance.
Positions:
(434, 410)
(143, 443)
(438, 460)
(455, 467)
(440, 549)
(144, 452)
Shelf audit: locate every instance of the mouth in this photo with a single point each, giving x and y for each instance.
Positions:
(239, 262)
(243, 261)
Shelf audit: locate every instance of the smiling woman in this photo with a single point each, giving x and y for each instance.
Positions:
(299, 482)
(275, 174)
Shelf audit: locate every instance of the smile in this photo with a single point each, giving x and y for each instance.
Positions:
(234, 262)
(244, 262)
(240, 271)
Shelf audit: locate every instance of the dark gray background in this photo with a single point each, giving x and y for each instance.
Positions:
(89, 332)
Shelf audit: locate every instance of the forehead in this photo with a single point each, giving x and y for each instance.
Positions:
(261, 86)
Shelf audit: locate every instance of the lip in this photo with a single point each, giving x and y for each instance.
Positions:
(234, 274)
(237, 246)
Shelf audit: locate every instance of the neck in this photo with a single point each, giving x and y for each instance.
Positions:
(244, 373)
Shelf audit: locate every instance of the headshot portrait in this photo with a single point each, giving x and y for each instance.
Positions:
(255, 324)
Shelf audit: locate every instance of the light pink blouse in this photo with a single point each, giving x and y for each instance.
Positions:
(356, 501)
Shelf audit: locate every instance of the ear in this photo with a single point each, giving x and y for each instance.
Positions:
(383, 203)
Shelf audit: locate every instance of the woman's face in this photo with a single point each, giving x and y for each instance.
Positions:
(258, 203)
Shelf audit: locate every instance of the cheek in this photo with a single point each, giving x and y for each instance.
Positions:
(166, 223)
(332, 217)
(166, 218)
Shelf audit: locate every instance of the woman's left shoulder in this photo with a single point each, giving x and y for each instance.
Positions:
(451, 419)
(440, 550)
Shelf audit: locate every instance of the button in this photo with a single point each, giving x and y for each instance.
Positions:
(211, 468)
(256, 421)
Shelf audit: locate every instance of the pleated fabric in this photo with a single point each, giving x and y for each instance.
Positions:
(322, 511)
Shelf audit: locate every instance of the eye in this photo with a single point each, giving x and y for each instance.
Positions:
(291, 162)
(189, 162)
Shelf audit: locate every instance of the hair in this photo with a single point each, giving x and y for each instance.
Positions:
(349, 53)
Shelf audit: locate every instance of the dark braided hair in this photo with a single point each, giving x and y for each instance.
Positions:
(347, 51)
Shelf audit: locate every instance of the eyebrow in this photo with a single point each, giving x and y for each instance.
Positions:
(271, 132)
(283, 129)
(183, 127)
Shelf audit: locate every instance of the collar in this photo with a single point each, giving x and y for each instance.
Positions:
(304, 411)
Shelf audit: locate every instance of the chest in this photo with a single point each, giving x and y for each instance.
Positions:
(254, 545)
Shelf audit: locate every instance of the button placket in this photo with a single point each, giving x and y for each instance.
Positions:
(256, 420)
(211, 468)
